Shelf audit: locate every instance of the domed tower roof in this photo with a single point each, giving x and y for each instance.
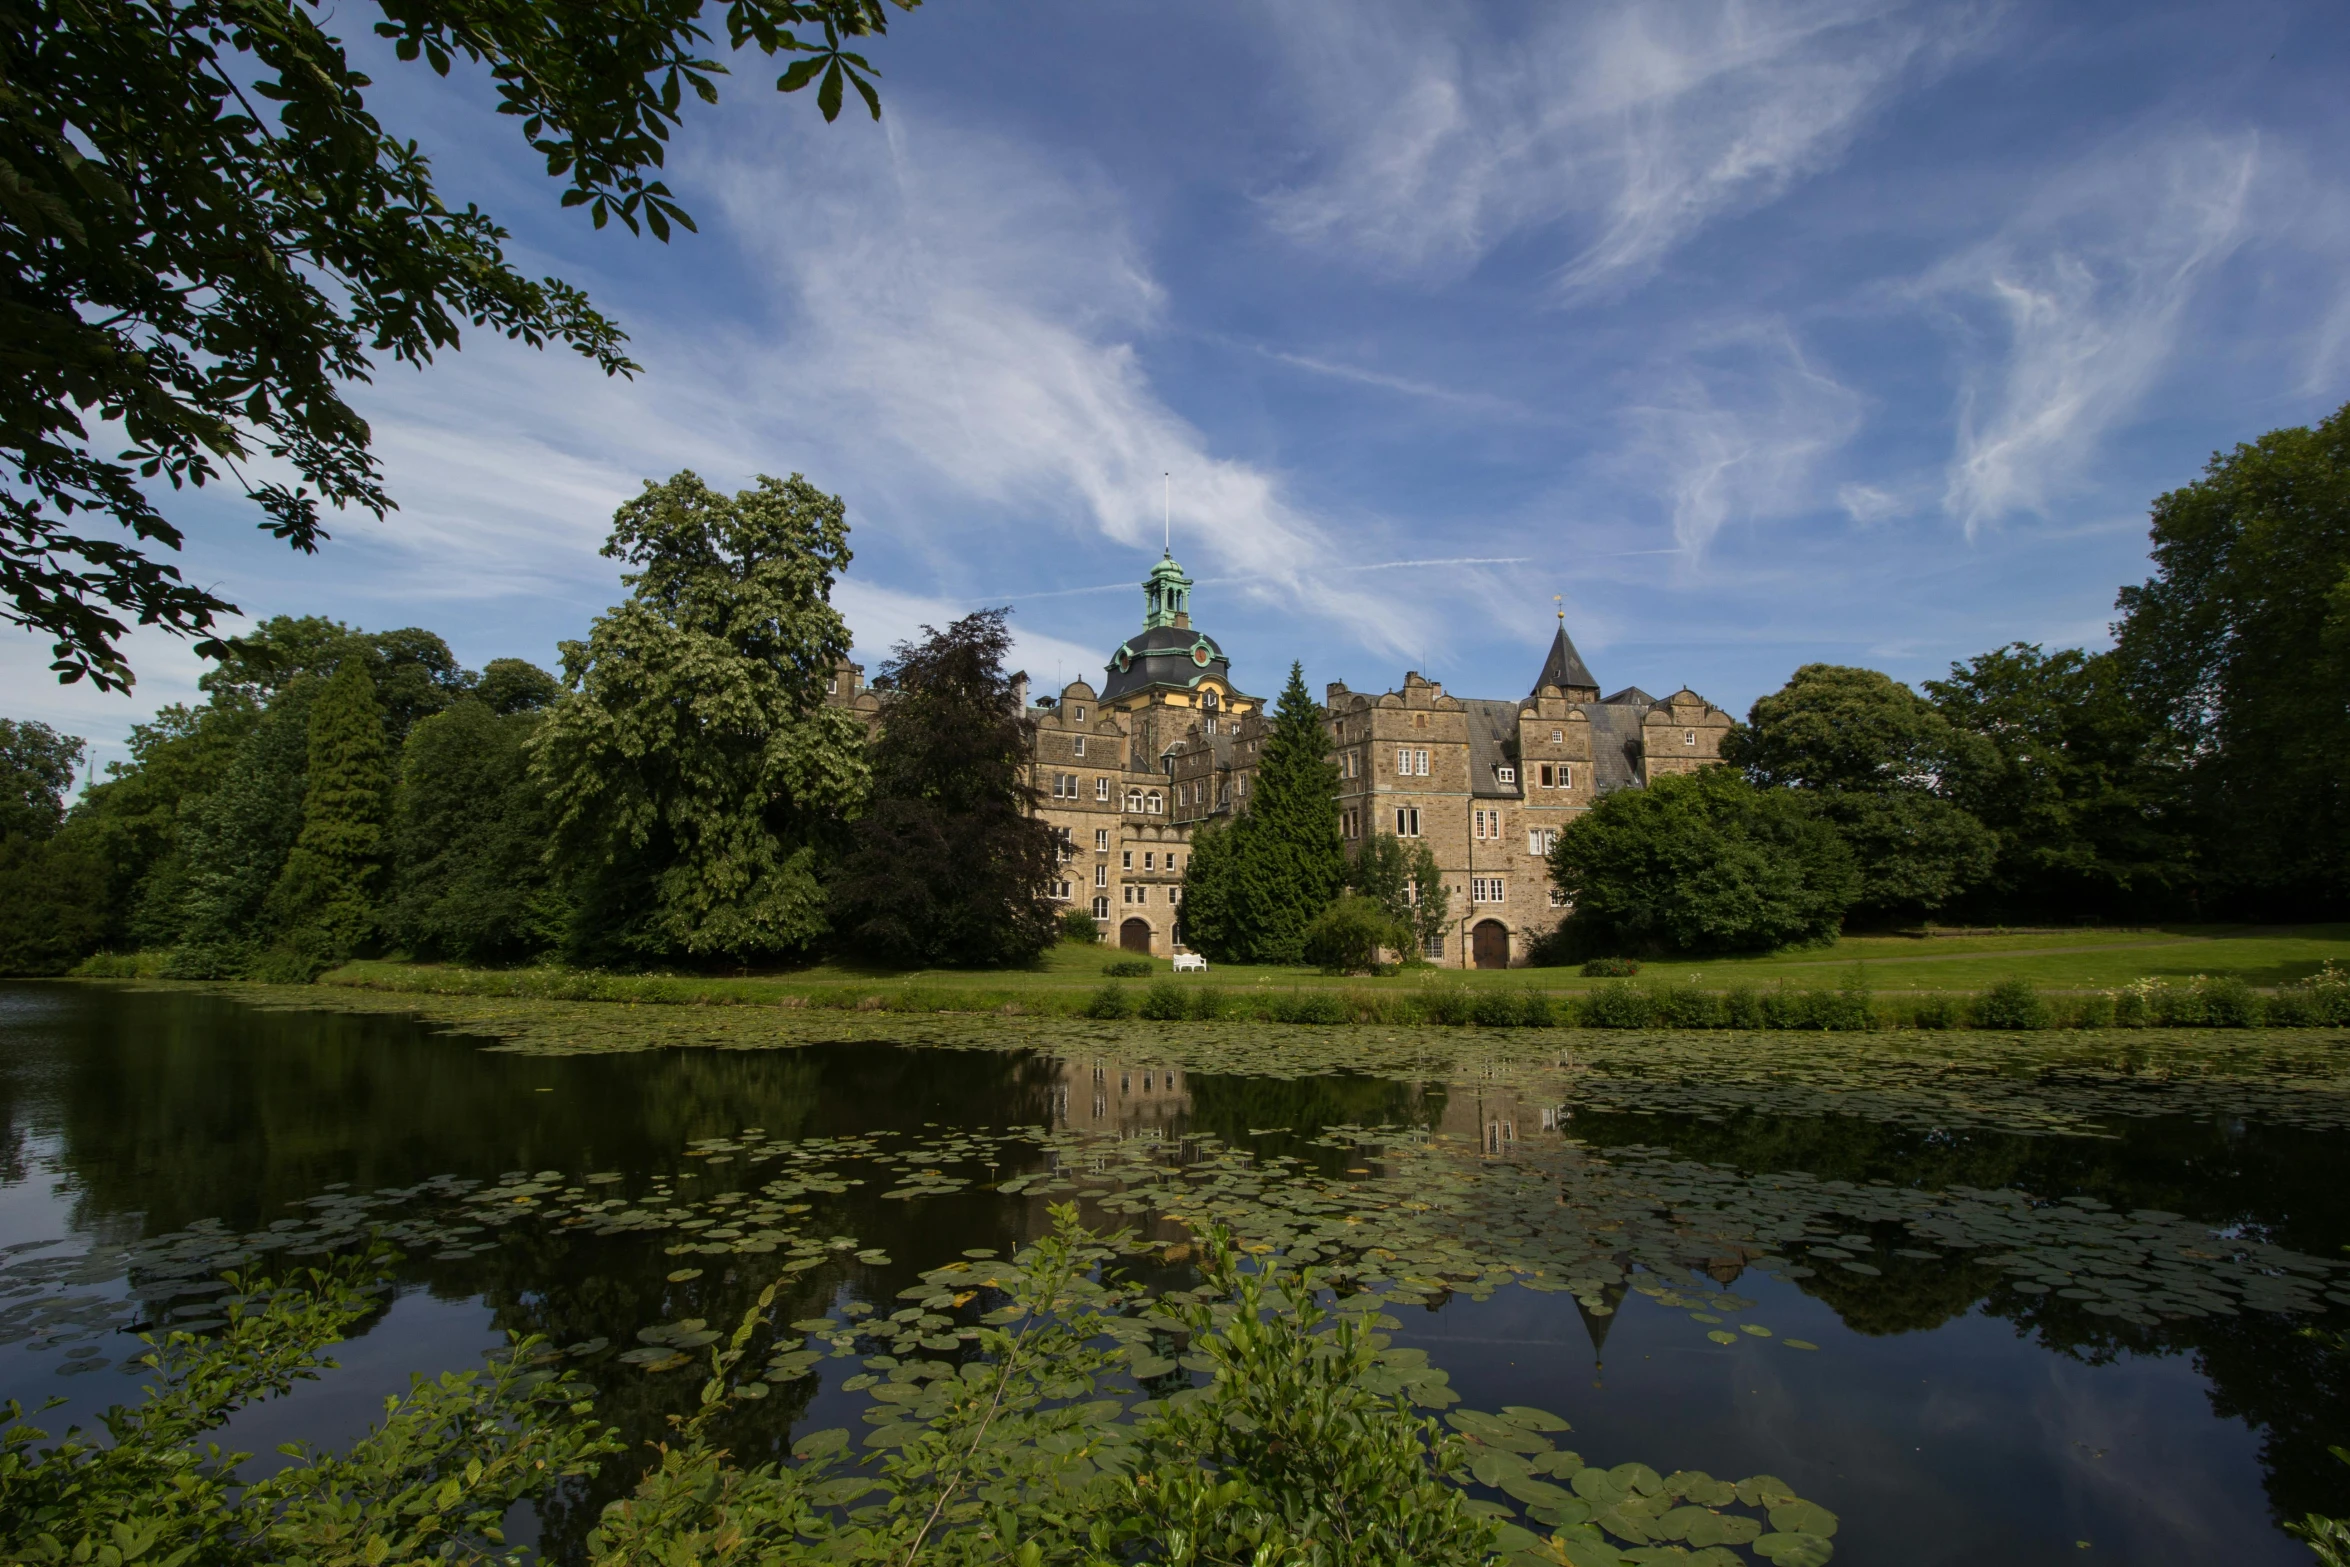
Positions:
(1167, 653)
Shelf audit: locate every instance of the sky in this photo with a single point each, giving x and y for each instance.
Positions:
(1757, 334)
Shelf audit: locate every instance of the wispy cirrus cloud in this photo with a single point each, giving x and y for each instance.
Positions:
(1737, 429)
(2069, 316)
(1631, 126)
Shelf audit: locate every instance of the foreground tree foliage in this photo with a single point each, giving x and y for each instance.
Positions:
(949, 864)
(1286, 1460)
(207, 236)
(1702, 862)
(2238, 647)
(695, 774)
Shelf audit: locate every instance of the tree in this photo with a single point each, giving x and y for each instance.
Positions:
(1289, 862)
(52, 895)
(469, 832)
(324, 902)
(951, 866)
(693, 767)
(2073, 779)
(1214, 923)
(208, 236)
(233, 844)
(1874, 755)
(412, 671)
(2238, 647)
(37, 765)
(1348, 936)
(1408, 884)
(1702, 862)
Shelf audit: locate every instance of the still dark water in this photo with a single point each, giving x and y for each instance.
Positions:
(1942, 1421)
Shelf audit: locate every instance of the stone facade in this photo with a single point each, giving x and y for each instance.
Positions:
(1127, 772)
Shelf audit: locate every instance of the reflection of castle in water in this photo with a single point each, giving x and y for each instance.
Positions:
(1115, 1099)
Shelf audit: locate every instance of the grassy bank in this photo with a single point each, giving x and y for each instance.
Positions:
(1514, 1000)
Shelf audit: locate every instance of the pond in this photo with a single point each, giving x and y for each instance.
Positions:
(2017, 1298)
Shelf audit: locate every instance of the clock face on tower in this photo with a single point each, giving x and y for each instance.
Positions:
(1199, 656)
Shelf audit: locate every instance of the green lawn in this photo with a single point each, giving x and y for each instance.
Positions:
(2069, 960)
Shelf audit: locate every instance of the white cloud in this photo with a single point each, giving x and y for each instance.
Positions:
(2072, 313)
(167, 672)
(1737, 432)
(880, 618)
(1637, 123)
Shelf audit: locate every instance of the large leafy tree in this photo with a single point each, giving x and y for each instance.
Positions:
(232, 844)
(208, 237)
(2073, 778)
(1259, 883)
(950, 864)
(411, 670)
(695, 773)
(470, 827)
(52, 894)
(1702, 862)
(1873, 755)
(37, 765)
(2239, 647)
(325, 899)
(1407, 883)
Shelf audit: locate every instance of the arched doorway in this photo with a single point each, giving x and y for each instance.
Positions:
(1489, 944)
(1135, 935)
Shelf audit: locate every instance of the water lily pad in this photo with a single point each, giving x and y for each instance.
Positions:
(1527, 1418)
(1799, 1343)
(1801, 1517)
(1794, 1550)
(680, 1275)
(1721, 1337)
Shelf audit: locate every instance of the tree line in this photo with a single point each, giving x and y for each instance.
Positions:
(2200, 767)
(683, 794)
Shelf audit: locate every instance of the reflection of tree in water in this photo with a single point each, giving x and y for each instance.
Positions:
(1229, 1106)
(2282, 1182)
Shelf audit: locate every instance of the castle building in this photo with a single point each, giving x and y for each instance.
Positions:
(1127, 773)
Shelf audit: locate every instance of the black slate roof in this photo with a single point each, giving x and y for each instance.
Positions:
(1565, 667)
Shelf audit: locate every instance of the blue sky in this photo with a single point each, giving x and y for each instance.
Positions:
(1762, 334)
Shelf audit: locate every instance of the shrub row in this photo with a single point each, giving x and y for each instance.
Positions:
(2322, 1001)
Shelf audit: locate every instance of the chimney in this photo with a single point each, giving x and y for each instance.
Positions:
(1020, 692)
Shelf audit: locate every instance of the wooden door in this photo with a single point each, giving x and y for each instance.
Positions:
(1490, 944)
(1135, 935)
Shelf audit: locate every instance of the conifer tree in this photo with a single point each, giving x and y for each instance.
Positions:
(325, 898)
(1289, 864)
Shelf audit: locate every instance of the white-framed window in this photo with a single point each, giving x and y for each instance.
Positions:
(1175, 895)
(1407, 821)
(1101, 908)
(1126, 894)
(1080, 715)
(832, 686)
(1558, 899)
(1101, 788)
(1155, 804)
(1101, 875)
(1485, 889)
(1101, 840)
(1061, 892)
(1557, 736)
(1508, 775)
(1487, 823)
(1126, 859)
(1420, 763)
(1566, 775)
(1689, 737)
(1403, 761)
(1171, 860)
(1541, 840)
(1433, 947)
(1150, 860)
(1079, 742)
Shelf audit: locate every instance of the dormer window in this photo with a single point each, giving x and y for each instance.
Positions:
(1079, 714)
(832, 686)
(1507, 775)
